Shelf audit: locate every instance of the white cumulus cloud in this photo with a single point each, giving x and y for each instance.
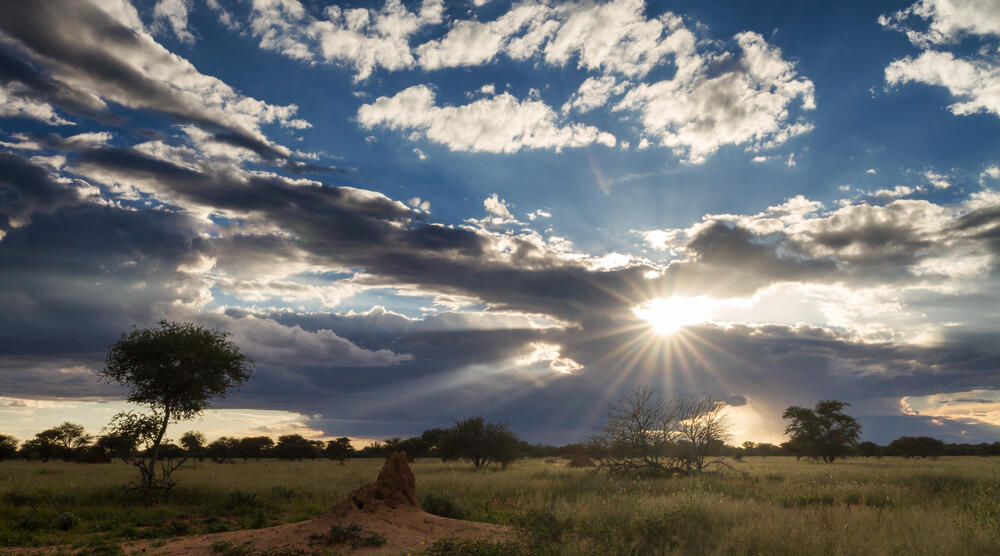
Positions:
(973, 81)
(497, 124)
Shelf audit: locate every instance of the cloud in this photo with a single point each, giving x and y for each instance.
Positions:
(499, 124)
(175, 13)
(947, 21)
(974, 80)
(365, 38)
(753, 97)
(594, 93)
(14, 103)
(471, 43)
(558, 323)
(497, 207)
(733, 100)
(70, 39)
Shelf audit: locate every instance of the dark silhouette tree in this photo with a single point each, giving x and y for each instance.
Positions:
(339, 449)
(824, 432)
(916, 447)
(222, 449)
(193, 443)
(480, 442)
(295, 446)
(176, 370)
(8, 447)
(869, 449)
(62, 442)
(253, 447)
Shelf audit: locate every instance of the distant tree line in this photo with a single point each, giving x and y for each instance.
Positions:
(70, 442)
(480, 442)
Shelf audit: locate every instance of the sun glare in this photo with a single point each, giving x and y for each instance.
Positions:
(668, 315)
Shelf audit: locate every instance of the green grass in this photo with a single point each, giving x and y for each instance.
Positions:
(857, 506)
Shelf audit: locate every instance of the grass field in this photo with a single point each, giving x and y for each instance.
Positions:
(855, 506)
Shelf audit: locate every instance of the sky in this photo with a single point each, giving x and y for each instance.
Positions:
(408, 213)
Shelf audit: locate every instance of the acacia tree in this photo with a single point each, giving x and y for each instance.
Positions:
(480, 442)
(646, 433)
(193, 443)
(641, 435)
(703, 425)
(176, 370)
(339, 449)
(64, 441)
(824, 432)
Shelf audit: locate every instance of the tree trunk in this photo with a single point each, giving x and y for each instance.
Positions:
(149, 476)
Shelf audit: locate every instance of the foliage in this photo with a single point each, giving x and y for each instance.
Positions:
(8, 447)
(193, 443)
(826, 432)
(452, 546)
(481, 442)
(137, 438)
(253, 447)
(176, 370)
(647, 434)
(222, 449)
(339, 449)
(441, 504)
(916, 447)
(869, 449)
(295, 446)
(65, 441)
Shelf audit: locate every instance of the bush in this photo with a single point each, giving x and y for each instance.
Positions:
(66, 521)
(442, 505)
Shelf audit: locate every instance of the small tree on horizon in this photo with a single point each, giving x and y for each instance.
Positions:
(176, 370)
(61, 442)
(824, 432)
(8, 447)
(339, 449)
(193, 443)
(480, 442)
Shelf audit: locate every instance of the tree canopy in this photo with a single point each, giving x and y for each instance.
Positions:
(824, 432)
(176, 370)
(479, 441)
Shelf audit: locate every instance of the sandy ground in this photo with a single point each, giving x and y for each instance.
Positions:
(406, 530)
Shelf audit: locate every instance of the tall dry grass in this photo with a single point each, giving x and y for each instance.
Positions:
(854, 506)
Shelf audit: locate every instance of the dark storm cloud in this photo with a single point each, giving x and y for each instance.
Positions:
(74, 278)
(82, 44)
(729, 260)
(40, 86)
(346, 227)
(767, 367)
(26, 188)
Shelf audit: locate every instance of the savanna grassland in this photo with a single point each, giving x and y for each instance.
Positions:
(854, 506)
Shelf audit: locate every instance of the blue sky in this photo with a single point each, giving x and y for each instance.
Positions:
(408, 213)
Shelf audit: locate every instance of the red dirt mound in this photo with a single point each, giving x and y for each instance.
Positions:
(394, 488)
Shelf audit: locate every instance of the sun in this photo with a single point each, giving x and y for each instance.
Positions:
(667, 315)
